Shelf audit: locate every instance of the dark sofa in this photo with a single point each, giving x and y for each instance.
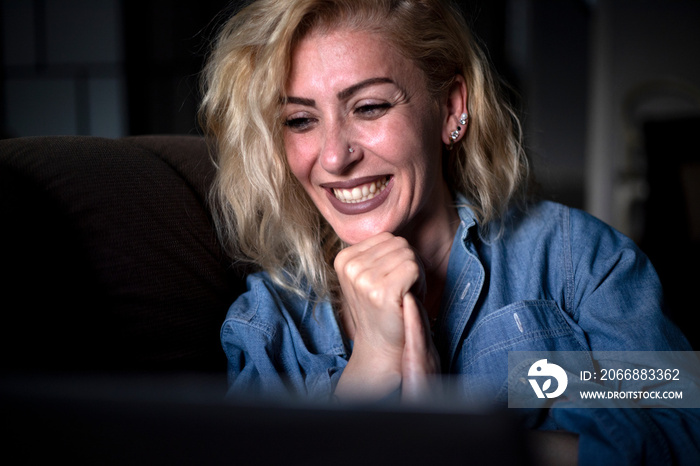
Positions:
(110, 260)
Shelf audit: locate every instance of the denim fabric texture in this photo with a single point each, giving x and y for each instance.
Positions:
(550, 278)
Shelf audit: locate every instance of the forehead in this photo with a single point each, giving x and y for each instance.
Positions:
(336, 59)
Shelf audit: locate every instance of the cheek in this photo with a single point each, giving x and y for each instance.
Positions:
(300, 161)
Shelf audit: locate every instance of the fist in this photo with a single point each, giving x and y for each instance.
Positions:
(375, 275)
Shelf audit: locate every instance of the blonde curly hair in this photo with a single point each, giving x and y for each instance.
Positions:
(263, 214)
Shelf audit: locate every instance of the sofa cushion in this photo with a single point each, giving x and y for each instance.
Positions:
(110, 257)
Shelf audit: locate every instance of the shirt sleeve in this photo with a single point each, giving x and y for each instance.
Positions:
(616, 298)
(614, 293)
(273, 349)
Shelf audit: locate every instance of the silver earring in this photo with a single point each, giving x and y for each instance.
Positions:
(463, 118)
(454, 135)
(351, 150)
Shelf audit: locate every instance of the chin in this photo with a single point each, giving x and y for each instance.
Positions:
(360, 234)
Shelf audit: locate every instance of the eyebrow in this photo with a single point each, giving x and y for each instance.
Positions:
(342, 95)
(346, 93)
(299, 101)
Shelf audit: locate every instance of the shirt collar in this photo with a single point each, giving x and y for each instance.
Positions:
(467, 218)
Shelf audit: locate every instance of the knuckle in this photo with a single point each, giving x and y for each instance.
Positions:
(363, 279)
(353, 269)
(376, 296)
(345, 264)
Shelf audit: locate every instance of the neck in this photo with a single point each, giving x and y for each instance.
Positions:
(433, 243)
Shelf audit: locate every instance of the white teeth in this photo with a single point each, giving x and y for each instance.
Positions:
(361, 193)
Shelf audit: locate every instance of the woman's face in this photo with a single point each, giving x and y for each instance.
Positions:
(363, 136)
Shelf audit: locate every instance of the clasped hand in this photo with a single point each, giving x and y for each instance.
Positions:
(383, 283)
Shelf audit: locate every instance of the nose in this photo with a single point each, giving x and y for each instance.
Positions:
(337, 155)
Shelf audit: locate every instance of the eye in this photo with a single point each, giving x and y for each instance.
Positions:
(299, 124)
(372, 111)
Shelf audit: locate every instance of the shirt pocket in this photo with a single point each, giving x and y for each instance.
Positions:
(537, 325)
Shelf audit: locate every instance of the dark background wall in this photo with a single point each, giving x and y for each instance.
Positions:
(102, 67)
(165, 44)
(113, 67)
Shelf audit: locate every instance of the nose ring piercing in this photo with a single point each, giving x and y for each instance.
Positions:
(351, 150)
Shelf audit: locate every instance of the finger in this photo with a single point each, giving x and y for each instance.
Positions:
(414, 323)
(371, 249)
(418, 338)
(420, 288)
(371, 241)
(392, 261)
(391, 276)
(417, 363)
(358, 251)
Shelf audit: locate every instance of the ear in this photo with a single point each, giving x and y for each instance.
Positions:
(454, 105)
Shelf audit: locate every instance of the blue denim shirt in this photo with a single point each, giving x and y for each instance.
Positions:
(551, 279)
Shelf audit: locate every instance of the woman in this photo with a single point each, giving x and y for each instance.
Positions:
(369, 166)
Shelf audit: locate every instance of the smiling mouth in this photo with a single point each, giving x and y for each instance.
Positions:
(361, 193)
